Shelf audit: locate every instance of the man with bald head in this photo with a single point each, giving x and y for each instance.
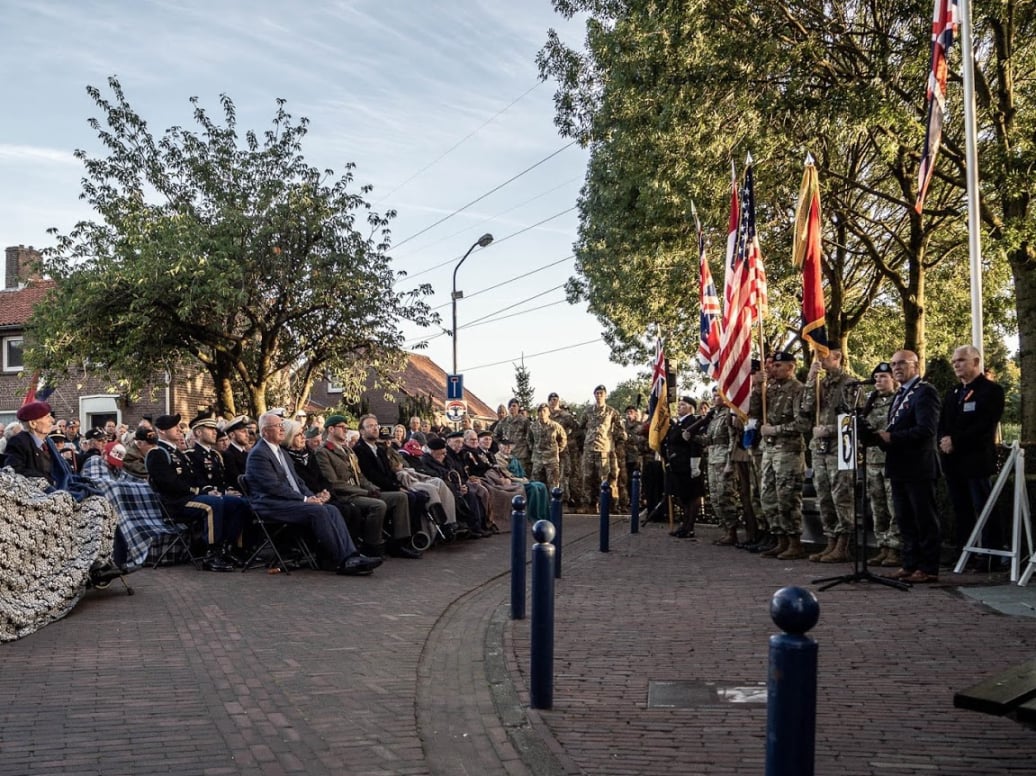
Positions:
(911, 466)
(968, 424)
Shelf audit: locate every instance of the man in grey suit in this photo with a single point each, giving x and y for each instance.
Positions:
(276, 493)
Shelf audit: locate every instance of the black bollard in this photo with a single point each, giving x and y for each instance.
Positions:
(606, 498)
(518, 558)
(541, 629)
(556, 507)
(791, 689)
(635, 502)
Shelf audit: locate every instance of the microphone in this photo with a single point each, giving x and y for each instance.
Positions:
(854, 383)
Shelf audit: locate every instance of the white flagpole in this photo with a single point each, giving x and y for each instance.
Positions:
(971, 173)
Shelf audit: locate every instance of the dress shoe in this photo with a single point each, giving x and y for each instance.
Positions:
(921, 577)
(357, 565)
(397, 550)
(215, 561)
(902, 573)
(683, 533)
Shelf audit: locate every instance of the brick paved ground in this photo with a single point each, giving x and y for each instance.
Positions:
(418, 670)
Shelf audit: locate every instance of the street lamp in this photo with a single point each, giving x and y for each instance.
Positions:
(482, 242)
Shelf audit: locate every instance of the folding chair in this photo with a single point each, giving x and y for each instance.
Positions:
(271, 531)
(181, 534)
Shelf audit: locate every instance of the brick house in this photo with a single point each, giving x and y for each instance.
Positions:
(90, 398)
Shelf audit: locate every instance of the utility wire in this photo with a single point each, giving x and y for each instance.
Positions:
(463, 140)
(445, 333)
(511, 306)
(532, 355)
(493, 190)
(510, 280)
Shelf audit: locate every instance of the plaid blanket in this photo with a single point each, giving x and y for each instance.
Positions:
(140, 513)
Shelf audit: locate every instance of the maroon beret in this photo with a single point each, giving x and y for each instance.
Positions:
(33, 410)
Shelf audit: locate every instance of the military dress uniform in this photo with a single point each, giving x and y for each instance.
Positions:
(834, 488)
(783, 462)
(547, 441)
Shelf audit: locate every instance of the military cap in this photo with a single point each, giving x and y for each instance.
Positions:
(145, 435)
(166, 422)
(600, 388)
(436, 443)
(334, 420)
(783, 357)
(552, 395)
(883, 368)
(33, 410)
(236, 423)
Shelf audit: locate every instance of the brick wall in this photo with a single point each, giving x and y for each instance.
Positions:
(20, 265)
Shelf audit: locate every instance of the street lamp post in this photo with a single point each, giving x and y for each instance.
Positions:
(482, 242)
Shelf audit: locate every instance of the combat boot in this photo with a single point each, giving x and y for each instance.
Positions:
(892, 557)
(729, 539)
(838, 554)
(795, 550)
(877, 559)
(773, 552)
(816, 556)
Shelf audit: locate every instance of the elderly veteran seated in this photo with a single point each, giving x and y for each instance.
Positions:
(277, 493)
(26, 451)
(143, 441)
(537, 499)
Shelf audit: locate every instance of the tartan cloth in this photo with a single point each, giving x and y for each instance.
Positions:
(140, 513)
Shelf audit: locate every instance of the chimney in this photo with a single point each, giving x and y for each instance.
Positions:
(21, 266)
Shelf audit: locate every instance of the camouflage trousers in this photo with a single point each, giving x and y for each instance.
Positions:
(722, 489)
(596, 469)
(879, 493)
(781, 493)
(619, 477)
(571, 476)
(547, 471)
(834, 495)
(755, 473)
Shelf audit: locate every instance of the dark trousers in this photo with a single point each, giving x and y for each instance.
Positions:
(221, 517)
(968, 496)
(326, 523)
(914, 502)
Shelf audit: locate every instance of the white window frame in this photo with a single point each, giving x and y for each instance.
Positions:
(8, 367)
(334, 387)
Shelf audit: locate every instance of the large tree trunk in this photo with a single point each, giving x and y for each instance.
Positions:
(1023, 265)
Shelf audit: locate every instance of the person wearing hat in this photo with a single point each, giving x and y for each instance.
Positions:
(144, 439)
(236, 454)
(516, 428)
(68, 452)
(277, 493)
(26, 451)
(207, 462)
(436, 463)
(602, 428)
(721, 438)
(682, 451)
(830, 392)
(569, 463)
(879, 487)
(784, 465)
(93, 444)
(173, 477)
(548, 442)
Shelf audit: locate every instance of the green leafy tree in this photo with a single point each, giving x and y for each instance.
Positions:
(231, 251)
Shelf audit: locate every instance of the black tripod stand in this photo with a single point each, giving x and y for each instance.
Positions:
(848, 427)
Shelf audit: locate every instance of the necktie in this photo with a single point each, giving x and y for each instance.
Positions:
(287, 470)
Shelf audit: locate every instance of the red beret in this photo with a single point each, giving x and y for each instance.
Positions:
(34, 410)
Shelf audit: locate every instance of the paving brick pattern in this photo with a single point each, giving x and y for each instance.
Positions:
(418, 670)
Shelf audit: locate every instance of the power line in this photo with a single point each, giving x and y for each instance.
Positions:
(510, 280)
(486, 322)
(511, 306)
(493, 190)
(463, 140)
(532, 355)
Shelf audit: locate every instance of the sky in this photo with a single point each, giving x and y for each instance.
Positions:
(437, 103)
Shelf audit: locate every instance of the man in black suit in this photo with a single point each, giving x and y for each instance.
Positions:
(376, 468)
(912, 467)
(277, 493)
(968, 424)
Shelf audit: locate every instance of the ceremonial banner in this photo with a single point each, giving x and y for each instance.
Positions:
(807, 255)
(944, 27)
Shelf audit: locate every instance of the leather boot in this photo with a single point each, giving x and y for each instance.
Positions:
(816, 556)
(838, 554)
(877, 559)
(728, 540)
(781, 546)
(795, 550)
(892, 557)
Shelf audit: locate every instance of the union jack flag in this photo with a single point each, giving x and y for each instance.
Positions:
(658, 403)
(944, 27)
(708, 346)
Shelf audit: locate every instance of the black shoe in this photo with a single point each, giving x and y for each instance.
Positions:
(397, 550)
(683, 533)
(358, 565)
(101, 575)
(216, 562)
(764, 545)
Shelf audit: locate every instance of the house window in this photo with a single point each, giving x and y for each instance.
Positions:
(333, 386)
(13, 354)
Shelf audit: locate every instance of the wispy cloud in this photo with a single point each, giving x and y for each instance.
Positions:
(35, 154)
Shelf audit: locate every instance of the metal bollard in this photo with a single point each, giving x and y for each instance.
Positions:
(518, 558)
(541, 629)
(556, 508)
(605, 501)
(635, 502)
(791, 688)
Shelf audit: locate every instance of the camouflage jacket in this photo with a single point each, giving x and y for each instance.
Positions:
(515, 428)
(603, 428)
(783, 410)
(835, 398)
(877, 417)
(547, 440)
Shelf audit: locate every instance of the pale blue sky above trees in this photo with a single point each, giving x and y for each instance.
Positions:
(437, 103)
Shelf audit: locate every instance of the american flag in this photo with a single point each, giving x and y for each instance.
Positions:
(746, 298)
(708, 346)
(658, 403)
(944, 27)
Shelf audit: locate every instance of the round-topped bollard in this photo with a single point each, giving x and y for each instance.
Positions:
(518, 558)
(543, 531)
(541, 630)
(555, 518)
(794, 610)
(518, 503)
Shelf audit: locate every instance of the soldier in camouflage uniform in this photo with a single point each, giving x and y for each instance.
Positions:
(516, 428)
(547, 440)
(784, 466)
(879, 487)
(636, 447)
(602, 428)
(827, 395)
(571, 481)
(721, 440)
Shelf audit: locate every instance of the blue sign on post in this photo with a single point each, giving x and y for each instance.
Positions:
(455, 387)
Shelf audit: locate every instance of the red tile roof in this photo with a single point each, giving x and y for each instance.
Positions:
(16, 305)
(423, 377)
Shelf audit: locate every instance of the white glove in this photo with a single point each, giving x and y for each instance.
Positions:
(696, 467)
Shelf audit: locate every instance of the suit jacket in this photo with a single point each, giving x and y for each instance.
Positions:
(269, 490)
(28, 458)
(234, 460)
(375, 467)
(910, 453)
(970, 414)
(337, 469)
